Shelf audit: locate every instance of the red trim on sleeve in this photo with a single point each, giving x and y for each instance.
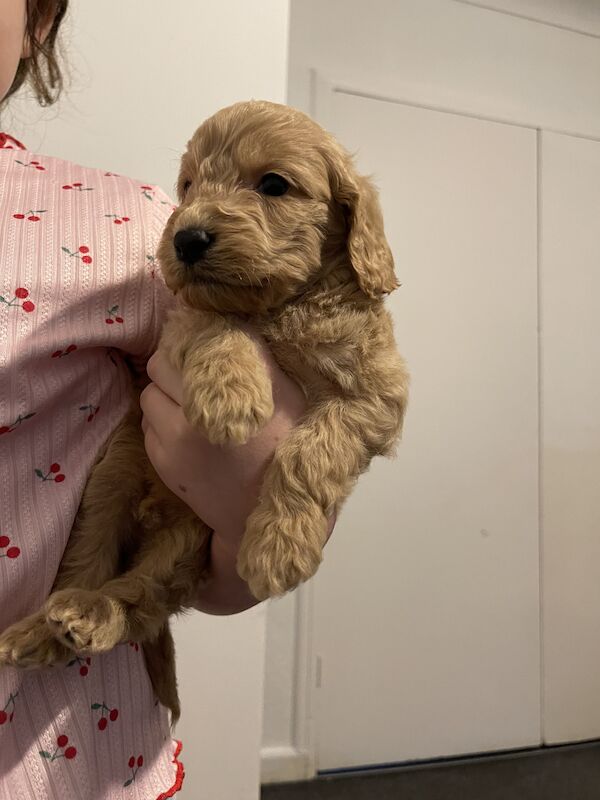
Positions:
(10, 143)
(179, 775)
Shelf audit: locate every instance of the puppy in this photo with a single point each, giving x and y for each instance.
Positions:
(274, 228)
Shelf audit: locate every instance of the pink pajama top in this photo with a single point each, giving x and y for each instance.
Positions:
(79, 291)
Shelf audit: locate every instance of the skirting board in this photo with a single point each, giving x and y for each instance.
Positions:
(282, 764)
(567, 772)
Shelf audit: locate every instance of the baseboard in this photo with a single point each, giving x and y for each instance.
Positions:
(568, 772)
(282, 764)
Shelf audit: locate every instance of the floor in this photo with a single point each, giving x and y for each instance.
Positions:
(571, 772)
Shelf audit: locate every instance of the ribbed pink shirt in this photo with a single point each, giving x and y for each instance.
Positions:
(78, 291)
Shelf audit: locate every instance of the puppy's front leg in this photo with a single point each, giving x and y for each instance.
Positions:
(312, 472)
(226, 389)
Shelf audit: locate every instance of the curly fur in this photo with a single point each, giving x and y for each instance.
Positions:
(309, 269)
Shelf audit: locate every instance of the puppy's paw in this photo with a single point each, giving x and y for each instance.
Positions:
(85, 621)
(229, 411)
(279, 553)
(29, 643)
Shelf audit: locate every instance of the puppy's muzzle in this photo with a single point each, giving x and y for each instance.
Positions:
(191, 245)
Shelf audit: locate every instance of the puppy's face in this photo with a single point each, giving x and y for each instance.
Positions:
(266, 198)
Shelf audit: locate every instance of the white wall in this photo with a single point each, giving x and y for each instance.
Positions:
(143, 78)
(451, 54)
(144, 75)
(574, 15)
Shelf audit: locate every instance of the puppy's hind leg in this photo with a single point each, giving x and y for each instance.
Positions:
(29, 643)
(103, 524)
(164, 579)
(106, 517)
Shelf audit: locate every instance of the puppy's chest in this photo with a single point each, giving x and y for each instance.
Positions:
(323, 363)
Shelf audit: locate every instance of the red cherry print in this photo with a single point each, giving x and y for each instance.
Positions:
(90, 417)
(86, 260)
(28, 306)
(59, 479)
(62, 740)
(19, 216)
(102, 723)
(35, 163)
(114, 713)
(118, 319)
(84, 249)
(109, 321)
(131, 762)
(4, 429)
(118, 222)
(57, 354)
(125, 219)
(145, 187)
(55, 468)
(70, 752)
(3, 717)
(78, 184)
(33, 218)
(83, 671)
(71, 347)
(67, 186)
(4, 541)
(21, 293)
(140, 761)
(13, 552)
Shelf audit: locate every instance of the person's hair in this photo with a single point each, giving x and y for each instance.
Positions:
(42, 68)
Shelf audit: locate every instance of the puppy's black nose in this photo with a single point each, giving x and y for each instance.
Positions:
(191, 244)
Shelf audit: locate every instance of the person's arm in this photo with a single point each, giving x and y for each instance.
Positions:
(225, 592)
(221, 484)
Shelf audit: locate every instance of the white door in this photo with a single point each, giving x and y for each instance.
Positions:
(427, 605)
(570, 351)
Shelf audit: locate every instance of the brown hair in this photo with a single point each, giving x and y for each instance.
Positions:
(41, 68)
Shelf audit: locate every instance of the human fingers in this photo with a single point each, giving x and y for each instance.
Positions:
(159, 411)
(165, 376)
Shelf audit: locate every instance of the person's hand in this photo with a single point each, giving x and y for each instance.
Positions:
(220, 484)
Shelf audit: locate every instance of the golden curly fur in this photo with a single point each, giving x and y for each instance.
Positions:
(308, 265)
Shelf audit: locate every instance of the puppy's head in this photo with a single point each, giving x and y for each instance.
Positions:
(269, 204)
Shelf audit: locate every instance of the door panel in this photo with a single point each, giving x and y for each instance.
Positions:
(570, 292)
(427, 605)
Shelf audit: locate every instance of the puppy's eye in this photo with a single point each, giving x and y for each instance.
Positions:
(273, 185)
(186, 186)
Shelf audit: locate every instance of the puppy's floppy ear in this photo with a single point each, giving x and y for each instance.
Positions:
(369, 252)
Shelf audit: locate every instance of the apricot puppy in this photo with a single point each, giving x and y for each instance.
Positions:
(277, 229)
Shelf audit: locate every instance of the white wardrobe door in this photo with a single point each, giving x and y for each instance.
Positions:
(570, 318)
(427, 605)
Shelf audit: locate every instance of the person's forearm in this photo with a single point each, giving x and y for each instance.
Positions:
(225, 592)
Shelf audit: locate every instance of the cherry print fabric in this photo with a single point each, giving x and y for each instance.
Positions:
(79, 293)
